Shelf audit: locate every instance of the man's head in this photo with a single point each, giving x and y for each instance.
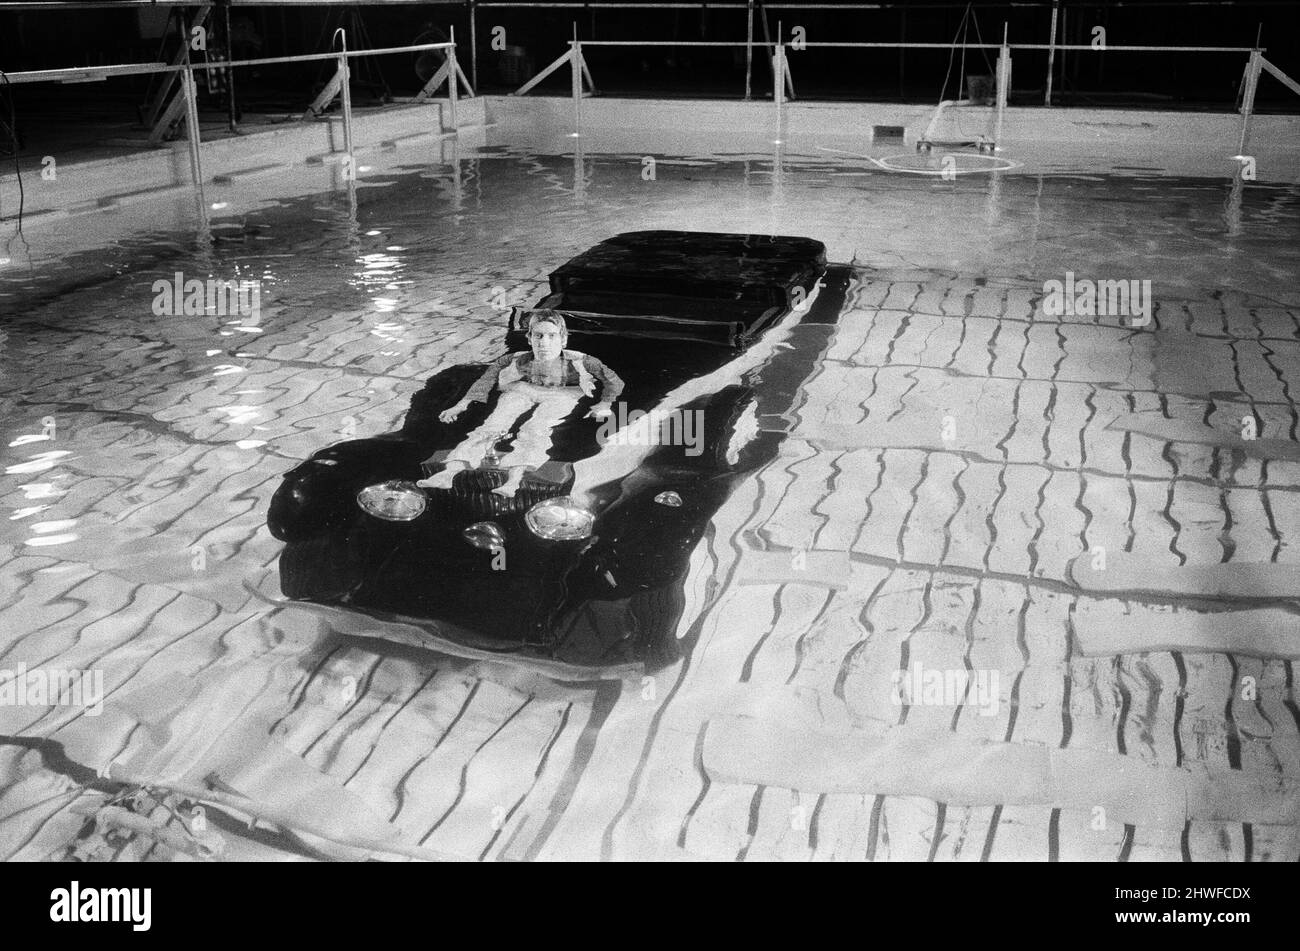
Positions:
(547, 334)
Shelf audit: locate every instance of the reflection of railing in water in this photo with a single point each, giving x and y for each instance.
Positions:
(449, 74)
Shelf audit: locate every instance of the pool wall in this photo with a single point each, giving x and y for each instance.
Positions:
(1020, 122)
(1190, 143)
(96, 183)
(1180, 143)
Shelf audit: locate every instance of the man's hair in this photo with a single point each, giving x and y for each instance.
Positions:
(546, 317)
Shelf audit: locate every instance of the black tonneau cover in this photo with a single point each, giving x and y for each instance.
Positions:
(742, 280)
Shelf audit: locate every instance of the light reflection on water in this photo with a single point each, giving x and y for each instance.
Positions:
(509, 201)
(172, 432)
(363, 299)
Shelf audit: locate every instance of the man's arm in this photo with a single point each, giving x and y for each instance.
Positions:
(611, 385)
(483, 386)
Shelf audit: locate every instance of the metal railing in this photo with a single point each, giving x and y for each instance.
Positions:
(768, 42)
(582, 82)
(449, 73)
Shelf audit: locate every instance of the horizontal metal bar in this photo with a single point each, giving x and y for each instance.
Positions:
(75, 73)
(939, 46)
(54, 5)
(623, 6)
(81, 73)
(1046, 46)
(50, 6)
(342, 3)
(1030, 4)
(657, 43)
(1011, 4)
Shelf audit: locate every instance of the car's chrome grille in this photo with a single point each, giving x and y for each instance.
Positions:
(471, 496)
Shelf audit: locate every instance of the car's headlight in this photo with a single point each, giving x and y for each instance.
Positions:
(559, 519)
(485, 535)
(395, 501)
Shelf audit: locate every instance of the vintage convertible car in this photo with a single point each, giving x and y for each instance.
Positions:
(586, 564)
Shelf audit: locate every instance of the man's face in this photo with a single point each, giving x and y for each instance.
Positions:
(546, 339)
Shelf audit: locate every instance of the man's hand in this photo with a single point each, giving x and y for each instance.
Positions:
(449, 415)
(600, 411)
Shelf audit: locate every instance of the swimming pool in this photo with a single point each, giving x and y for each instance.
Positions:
(953, 454)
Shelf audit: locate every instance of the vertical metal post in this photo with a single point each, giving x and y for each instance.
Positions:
(230, 76)
(345, 91)
(1248, 99)
(575, 74)
(780, 39)
(473, 43)
(1051, 54)
(785, 60)
(749, 49)
(453, 81)
(192, 126)
(190, 93)
(778, 84)
(1004, 82)
(1065, 41)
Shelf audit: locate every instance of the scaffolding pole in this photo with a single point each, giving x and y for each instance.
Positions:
(1004, 85)
(1051, 54)
(192, 127)
(345, 92)
(1248, 98)
(778, 84)
(453, 81)
(575, 81)
(190, 92)
(473, 44)
(749, 50)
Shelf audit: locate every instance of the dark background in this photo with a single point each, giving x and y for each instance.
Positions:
(75, 34)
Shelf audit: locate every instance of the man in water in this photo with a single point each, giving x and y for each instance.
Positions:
(549, 378)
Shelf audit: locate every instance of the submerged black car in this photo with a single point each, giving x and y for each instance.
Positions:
(586, 563)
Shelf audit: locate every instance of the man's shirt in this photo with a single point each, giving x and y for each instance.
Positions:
(575, 369)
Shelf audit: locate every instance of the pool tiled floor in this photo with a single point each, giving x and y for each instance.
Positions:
(955, 453)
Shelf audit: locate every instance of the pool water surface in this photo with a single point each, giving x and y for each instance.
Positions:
(955, 457)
